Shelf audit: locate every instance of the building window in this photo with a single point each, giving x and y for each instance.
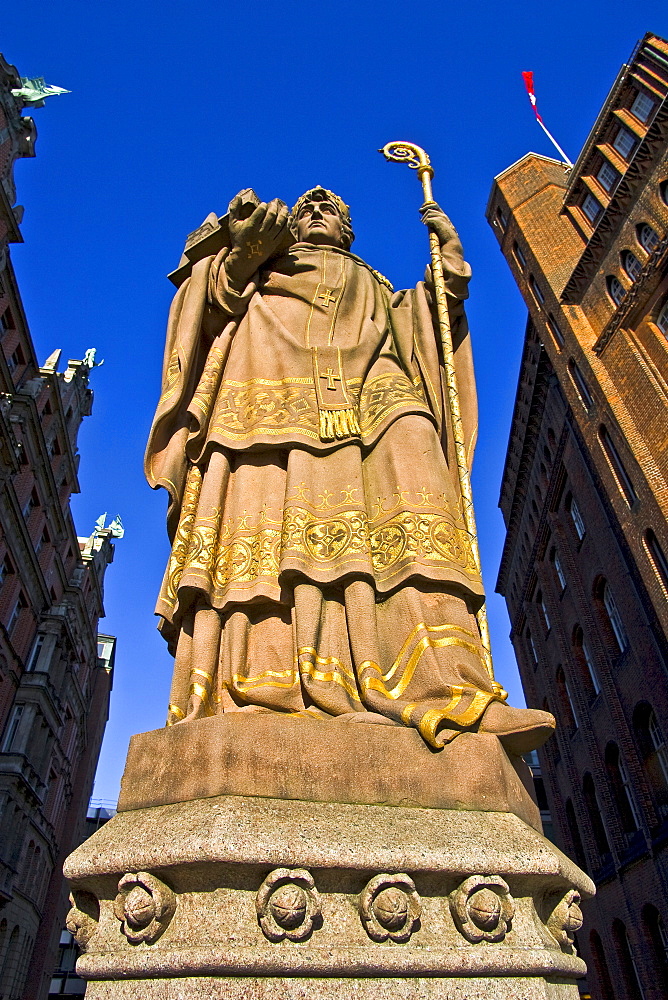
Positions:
(576, 518)
(502, 218)
(6, 569)
(581, 386)
(624, 482)
(591, 208)
(662, 318)
(6, 321)
(31, 503)
(553, 327)
(607, 176)
(615, 289)
(647, 237)
(532, 647)
(16, 612)
(543, 610)
(589, 661)
(519, 256)
(558, 569)
(34, 653)
(663, 191)
(536, 290)
(15, 360)
(620, 786)
(624, 142)
(654, 754)
(657, 557)
(642, 106)
(631, 265)
(658, 935)
(12, 727)
(595, 817)
(614, 617)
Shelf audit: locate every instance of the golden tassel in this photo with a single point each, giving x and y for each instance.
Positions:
(338, 424)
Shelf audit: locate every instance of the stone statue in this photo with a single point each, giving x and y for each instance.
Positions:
(320, 565)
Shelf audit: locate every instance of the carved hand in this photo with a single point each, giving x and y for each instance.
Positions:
(434, 217)
(254, 239)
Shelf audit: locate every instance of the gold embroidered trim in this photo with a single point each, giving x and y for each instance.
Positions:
(338, 424)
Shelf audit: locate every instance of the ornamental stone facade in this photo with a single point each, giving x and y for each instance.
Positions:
(55, 670)
(585, 502)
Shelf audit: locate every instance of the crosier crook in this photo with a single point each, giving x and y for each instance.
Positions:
(417, 159)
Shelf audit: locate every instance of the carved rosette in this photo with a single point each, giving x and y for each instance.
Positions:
(82, 919)
(144, 905)
(482, 908)
(390, 908)
(565, 919)
(288, 905)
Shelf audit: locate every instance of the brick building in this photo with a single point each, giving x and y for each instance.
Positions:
(585, 501)
(55, 671)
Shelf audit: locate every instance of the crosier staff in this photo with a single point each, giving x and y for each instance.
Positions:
(417, 159)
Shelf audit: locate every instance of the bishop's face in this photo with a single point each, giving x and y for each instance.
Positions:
(319, 222)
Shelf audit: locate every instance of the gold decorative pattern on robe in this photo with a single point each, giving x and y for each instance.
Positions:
(412, 531)
(288, 407)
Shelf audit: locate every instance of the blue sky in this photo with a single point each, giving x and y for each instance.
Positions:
(174, 108)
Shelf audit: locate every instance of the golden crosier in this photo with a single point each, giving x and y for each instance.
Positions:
(417, 159)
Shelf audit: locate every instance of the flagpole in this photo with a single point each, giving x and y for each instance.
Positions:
(417, 159)
(527, 76)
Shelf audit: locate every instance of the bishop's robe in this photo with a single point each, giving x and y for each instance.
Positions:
(320, 563)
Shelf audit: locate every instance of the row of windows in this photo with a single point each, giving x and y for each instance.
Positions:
(624, 143)
(656, 946)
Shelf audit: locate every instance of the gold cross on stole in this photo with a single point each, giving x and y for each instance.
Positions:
(331, 378)
(327, 296)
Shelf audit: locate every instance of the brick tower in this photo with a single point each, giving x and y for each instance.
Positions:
(585, 501)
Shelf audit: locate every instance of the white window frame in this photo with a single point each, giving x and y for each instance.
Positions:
(648, 237)
(632, 265)
(589, 660)
(628, 791)
(591, 208)
(571, 703)
(616, 290)
(38, 645)
(658, 744)
(624, 142)
(642, 106)
(607, 176)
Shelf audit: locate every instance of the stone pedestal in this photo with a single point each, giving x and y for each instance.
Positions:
(265, 857)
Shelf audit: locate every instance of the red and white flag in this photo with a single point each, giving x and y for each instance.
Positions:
(527, 76)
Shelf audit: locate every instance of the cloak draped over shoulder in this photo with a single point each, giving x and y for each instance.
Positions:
(320, 562)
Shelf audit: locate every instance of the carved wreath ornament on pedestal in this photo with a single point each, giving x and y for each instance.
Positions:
(144, 905)
(288, 905)
(482, 908)
(565, 920)
(390, 908)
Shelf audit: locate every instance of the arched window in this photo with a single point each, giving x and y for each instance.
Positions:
(584, 656)
(620, 787)
(648, 238)
(595, 817)
(8, 961)
(657, 557)
(658, 937)
(601, 965)
(615, 289)
(574, 832)
(610, 451)
(613, 616)
(631, 264)
(627, 961)
(662, 318)
(653, 753)
(580, 384)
